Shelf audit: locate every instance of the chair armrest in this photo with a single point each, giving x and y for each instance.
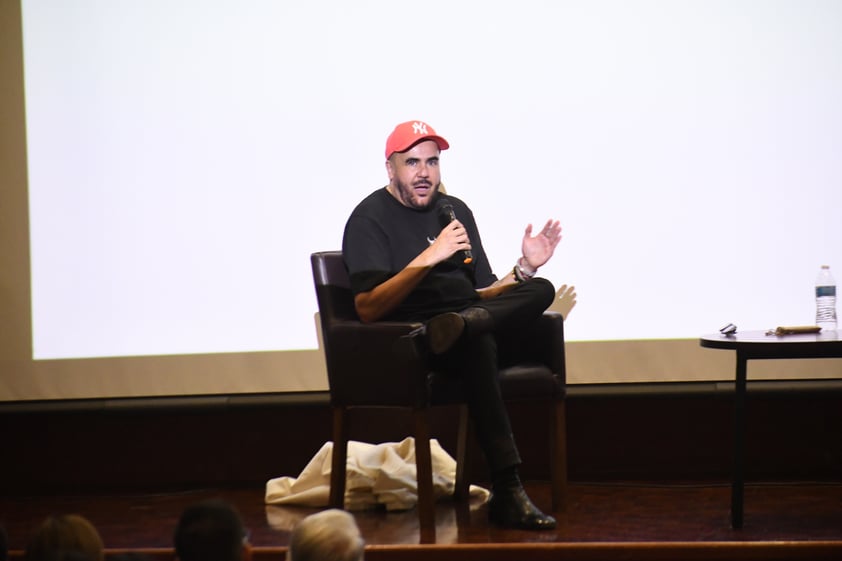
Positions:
(551, 334)
(374, 355)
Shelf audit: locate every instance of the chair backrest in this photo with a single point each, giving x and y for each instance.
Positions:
(333, 287)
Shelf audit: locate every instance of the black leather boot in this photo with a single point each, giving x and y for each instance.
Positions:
(444, 330)
(512, 508)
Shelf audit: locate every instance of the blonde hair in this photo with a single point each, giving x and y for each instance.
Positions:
(330, 535)
(67, 536)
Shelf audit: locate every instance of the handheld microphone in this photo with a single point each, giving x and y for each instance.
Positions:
(446, 216)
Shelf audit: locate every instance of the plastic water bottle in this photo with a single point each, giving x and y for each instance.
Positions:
(825, 300)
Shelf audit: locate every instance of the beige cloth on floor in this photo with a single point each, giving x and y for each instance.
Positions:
(377, 474)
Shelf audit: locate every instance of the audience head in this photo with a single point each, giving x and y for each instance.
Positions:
(330, 535)
(211, 530)
(68, 537)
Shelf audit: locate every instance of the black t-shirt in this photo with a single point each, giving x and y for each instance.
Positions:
(382, 236)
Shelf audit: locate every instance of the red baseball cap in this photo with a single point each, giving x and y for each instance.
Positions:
(410, 133)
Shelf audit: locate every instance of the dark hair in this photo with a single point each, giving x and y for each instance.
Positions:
(67, 537)
(210, 530)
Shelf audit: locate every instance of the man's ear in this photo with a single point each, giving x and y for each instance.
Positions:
(390, 169)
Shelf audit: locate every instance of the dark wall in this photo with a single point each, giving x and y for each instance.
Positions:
(676, 432)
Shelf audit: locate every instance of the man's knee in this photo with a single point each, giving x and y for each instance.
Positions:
(544, 290)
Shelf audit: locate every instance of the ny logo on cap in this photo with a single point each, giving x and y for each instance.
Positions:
(419, 128)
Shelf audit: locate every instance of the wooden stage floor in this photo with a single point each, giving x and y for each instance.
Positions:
(602, 521)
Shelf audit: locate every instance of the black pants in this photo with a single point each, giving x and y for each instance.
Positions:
(476, 359)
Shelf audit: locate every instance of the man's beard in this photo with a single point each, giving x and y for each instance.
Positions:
(406, 194)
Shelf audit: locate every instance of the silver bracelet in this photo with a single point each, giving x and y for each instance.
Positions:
(520, 273)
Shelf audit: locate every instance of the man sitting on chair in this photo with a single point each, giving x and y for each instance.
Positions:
(414, 254)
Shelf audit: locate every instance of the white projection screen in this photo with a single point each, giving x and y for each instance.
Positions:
(169, 166)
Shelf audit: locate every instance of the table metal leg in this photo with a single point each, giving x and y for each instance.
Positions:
(737, 482)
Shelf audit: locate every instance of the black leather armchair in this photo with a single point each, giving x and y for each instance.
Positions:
(368, 366)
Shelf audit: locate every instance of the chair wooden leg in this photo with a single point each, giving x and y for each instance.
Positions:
(558, 447)
(339, 458)
(461, 489)
(424, 471)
